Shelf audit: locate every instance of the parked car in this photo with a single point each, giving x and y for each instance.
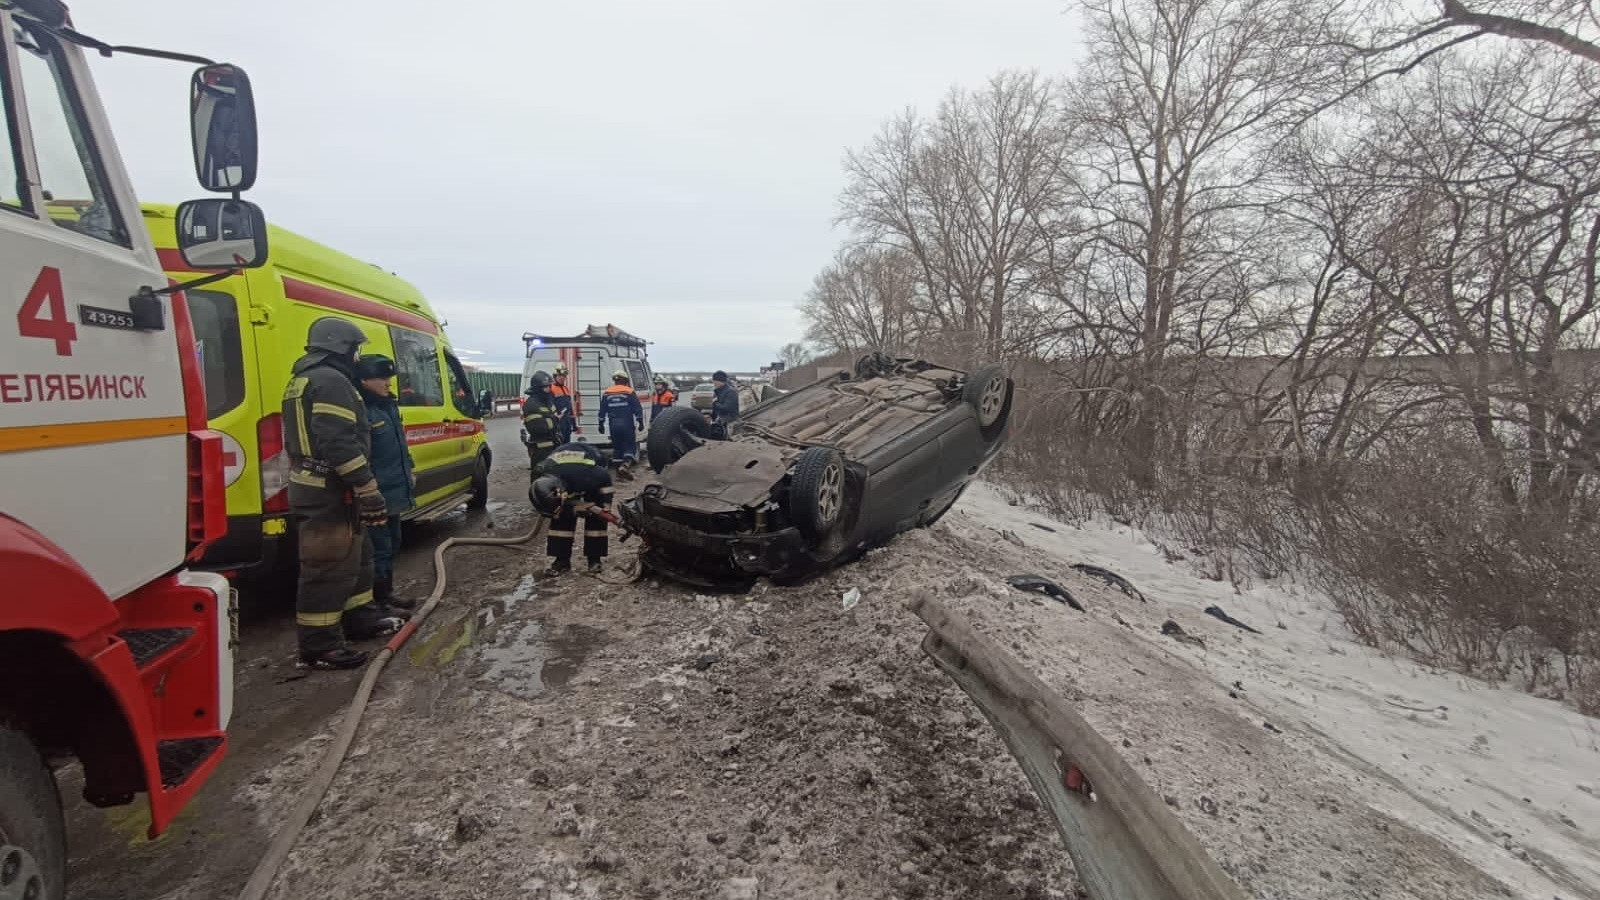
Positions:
(812, 478)
(703, 394)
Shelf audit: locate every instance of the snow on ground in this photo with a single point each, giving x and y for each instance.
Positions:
(1509, 782)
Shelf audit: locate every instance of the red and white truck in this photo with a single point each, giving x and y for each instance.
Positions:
(112, 651)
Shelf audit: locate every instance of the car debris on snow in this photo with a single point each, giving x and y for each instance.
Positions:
(1175, 631)
(1216, 613)
(1038, 584)
(1111, 578)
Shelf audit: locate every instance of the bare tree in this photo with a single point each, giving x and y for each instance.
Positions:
(866, 299)
(795, 354)
(972, 196)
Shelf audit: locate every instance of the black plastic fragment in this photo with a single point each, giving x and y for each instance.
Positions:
(1111, 578)
(1216, 613)
(1038, 584)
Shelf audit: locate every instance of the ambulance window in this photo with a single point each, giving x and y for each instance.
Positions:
(215, 316)
(460, 387)
(416, 362)
(69, 168)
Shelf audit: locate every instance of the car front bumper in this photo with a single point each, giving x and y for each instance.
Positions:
(701, 557)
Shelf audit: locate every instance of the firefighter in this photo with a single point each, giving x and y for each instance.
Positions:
(394, 468)
(725, 404)
(539, 419)
(620, 408)
(663, 399)
(562, 395)
(572, 474)
(333, 496)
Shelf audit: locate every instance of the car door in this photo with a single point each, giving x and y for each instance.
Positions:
(420, 390)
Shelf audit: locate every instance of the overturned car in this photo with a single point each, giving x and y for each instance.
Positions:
(812, 478)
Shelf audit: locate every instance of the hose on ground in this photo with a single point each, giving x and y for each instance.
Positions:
(267, 870)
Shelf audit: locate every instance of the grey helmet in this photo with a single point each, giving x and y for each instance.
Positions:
(539, 383)
(335, 335)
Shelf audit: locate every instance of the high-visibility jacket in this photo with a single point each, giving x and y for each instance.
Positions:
(325, 431)
(663, 399)
(539, 418)
(620, 408)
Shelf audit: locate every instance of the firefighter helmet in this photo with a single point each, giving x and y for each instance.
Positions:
(375, 365)
(560, 369)
(335, 335)
(539, 382)
(547, 493)
(619, 376)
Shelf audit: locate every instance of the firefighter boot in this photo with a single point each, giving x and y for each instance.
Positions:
(333, 658)
(383, 594)
(595, 565)
(557, 568)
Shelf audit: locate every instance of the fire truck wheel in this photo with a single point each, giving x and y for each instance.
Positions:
(33, 837)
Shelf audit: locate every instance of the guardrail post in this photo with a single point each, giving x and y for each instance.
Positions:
(1124, 842)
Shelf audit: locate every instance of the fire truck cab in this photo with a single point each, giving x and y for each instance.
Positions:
(112, 651)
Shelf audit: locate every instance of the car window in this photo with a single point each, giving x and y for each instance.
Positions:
(416, 363)
(215, 316)
(69, 170)
(705, 386)
(13, 187)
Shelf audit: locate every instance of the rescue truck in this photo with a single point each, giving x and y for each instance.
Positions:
(112, 650)
(591, 357)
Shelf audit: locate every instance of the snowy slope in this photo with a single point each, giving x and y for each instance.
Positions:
(1509, 782)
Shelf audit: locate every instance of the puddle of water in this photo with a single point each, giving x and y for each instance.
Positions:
(529, 661)
(524, 659)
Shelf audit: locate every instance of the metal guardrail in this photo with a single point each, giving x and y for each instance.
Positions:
(1124, 842)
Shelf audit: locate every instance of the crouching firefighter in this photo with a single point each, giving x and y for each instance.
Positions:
(333, 495)
(540, 420)
(572, 475)
(621, 411)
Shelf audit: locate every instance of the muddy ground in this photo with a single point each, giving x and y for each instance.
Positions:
(576, 739)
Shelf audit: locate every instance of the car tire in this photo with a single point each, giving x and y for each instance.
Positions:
(988, 390)
(480, 484)
(817, 492)
(33, 833)
(672, 434)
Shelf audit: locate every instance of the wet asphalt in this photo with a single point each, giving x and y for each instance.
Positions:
(215, 843)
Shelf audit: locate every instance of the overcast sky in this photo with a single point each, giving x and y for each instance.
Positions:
(667, 165)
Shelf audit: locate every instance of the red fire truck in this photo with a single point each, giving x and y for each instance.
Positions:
(112, 651)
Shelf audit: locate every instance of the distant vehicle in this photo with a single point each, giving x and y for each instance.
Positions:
(591, 356)
(812, 478)
(704, 394)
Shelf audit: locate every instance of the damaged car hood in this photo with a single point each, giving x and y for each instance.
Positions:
(724, 475)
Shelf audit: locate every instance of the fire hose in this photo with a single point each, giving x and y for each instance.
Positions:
(267, 870)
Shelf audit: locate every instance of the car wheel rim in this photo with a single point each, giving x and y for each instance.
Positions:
(830, 494)
(20, 878)
(994, 397)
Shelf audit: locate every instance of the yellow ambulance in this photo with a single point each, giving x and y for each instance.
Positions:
(251, 327)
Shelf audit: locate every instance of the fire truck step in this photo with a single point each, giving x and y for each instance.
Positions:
(148, 643)
(181, 757)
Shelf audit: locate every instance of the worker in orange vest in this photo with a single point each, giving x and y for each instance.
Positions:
(566, 415)
(663, 399)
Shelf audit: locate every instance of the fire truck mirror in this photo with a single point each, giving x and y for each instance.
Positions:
(222, 121)
(217, 233)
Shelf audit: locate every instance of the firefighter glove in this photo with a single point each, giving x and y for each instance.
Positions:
(371, 505)
(602, 426)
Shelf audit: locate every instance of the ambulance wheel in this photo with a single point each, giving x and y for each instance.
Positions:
(33, 835)
(480, 484)
(672, 434)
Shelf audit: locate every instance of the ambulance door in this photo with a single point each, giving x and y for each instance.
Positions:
(420, 390)
(463, 419)
(220, 316)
